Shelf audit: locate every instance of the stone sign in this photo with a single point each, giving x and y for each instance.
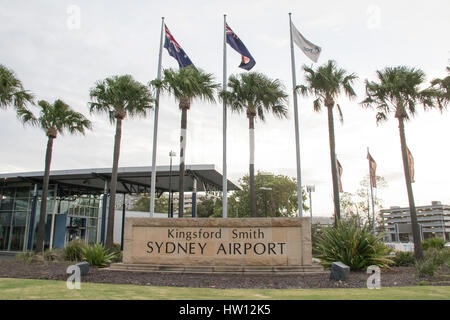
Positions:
(218, 242)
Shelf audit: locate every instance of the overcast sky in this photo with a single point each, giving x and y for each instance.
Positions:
(57, 57)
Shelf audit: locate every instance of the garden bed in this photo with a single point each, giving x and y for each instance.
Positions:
(397, 276)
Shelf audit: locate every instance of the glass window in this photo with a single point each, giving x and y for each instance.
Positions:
(23, 192)
(18, 231)
(22, 204)
(5, 225)
(92, 235)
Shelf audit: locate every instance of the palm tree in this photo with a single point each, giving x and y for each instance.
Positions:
(185, 85)
(326, 83)
(397, 92)
(53, 119)
(12, 94)
(118, 97)
(255, 94)
(443, 87)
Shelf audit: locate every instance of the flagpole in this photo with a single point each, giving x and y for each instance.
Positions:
(297, 136)
(371, 192)
(224, 177)
(155, 127)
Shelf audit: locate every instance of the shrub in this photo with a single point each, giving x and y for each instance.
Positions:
(404, 259)
(432, 261)
(73, 251)
(26, 257)
(97, 255)
(353, 245)
(316, 232)
(426, 268)
(53, 255)
(117, 252)
(435, 243)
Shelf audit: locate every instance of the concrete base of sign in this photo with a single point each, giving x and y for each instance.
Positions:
(278, 270)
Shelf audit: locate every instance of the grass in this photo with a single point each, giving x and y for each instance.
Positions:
(50, 289)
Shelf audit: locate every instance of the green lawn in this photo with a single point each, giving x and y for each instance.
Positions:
(50, 289)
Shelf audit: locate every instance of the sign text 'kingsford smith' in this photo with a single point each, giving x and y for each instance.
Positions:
(238, 241)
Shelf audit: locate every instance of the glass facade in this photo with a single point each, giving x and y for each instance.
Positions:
(81, 213)
(15, 208)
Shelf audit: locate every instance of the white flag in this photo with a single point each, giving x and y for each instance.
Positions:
(311, 50)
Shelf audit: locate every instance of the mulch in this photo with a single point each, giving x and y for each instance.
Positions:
(52, 270)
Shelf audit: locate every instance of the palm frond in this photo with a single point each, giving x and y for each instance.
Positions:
(303, 89)
(326, 83)
(341, 116)
(120, 95)
(61, 117)
(256, 94)
(317, 104)
(13, 94)
(189, 83)
(398, 91)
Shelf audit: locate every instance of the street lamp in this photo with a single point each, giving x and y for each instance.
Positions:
(309, 189)
(170, 213)
(265, 200)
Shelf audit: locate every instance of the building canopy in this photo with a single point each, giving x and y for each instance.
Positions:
(130, 179)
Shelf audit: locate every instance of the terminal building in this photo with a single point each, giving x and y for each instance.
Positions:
(78, 201)
(434, 221)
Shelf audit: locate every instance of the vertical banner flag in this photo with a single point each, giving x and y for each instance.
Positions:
(312, 51)
(175, 50)
(372, 168)
(340, 170)
(233, 40)
(309, 49)
(411, 164)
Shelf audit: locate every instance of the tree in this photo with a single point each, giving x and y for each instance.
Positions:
(255, 94)
(365, 201)
(357, 205)
(280, 201)
(209, 205)
(186, 85)
(118, 97)
(53, 119)
(326, 83)
(13, 95)
(443, 87)
(397, 92)
(143, 204)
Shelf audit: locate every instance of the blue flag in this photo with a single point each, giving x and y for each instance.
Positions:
(233, 40)
(175, 50)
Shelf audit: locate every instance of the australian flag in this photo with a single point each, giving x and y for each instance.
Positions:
(175, 50)
(233, 40)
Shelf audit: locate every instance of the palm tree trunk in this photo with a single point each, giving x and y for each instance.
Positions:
(251, 127)
(43, 214)
(412, 208)
(109, 243)
(182, 164)
(337, 206)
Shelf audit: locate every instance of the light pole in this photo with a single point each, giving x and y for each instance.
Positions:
(265, 200)
(170, 213)
(309, 189)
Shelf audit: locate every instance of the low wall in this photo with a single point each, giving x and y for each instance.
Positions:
(218, 242)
